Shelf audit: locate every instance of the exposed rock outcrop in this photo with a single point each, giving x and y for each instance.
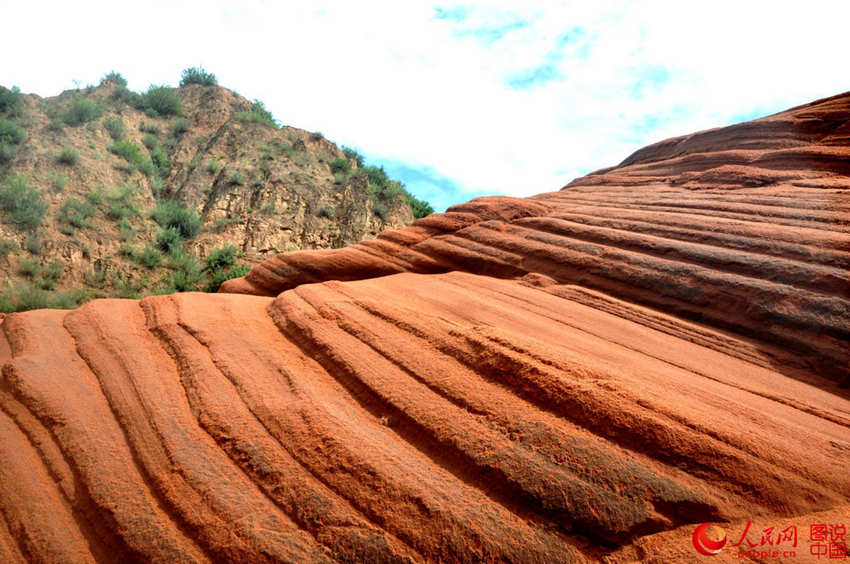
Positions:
(579, 376)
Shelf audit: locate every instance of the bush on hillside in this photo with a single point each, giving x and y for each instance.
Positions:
(68, 156)
(121, 205)
(10, 137)
(115, 78)
(76, 212)
(187, 272)
(258, 114)
(159, 158)
(150, 127)
(21, 203)
(178, 127)
(115, 127)
(170, 214)
(197, 75)
(161, 101)
(10, 133)
(219, 277)
(80, 110)
(354, 155)
(168, 240)
(149, 258)
(221, 258)
(340, 166)
(11, 103)
(420, 208)
(128, 151)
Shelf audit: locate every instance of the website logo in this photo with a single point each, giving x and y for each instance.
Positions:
(709, 539)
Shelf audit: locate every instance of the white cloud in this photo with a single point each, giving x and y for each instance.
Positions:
(401, 84)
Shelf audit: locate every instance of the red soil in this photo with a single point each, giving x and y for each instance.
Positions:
(579, 376)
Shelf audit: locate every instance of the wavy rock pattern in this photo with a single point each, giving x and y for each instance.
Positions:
(578, 376)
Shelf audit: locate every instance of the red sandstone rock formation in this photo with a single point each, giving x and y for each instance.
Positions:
(579, 376)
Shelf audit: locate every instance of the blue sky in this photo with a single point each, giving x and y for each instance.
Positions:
(458, 99)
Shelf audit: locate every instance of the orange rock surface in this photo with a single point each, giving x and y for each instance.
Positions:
(584, 375)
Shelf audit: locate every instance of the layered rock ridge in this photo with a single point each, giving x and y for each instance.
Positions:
(578, 376)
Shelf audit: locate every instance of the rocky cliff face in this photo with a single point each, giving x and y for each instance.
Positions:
(260, 188)
(580, 376)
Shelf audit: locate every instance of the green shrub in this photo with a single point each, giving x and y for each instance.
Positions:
(259, 114)
(220, 276)
(420, 208)
(50, 275)
(68, 156)
(120, 204)
(157, 184)
(124, 167)
(126, 288)
(377, 176)
(236, 178)
(146, 167)
(33, 243)
(160, 160)
(58, 181)
(123, 95)
(70, 299)
(150, 127)
(221, 258)
(95, 197)
(162, 100)
(21, 203)
(11, 103)
(125, 230)
(29, 267)
(340, 166)
(7, 247)
(46, 276)
(133, 155)
(76, 212)
(96, 277)
(115, 78)
(187, 272)
(127, 150)
(115, 127)
(170, 214)
(150, 142)
(213, 166)
(79, 111)
(29, 297)
(178, 127)
(127, 250)
(10, 133)
(7, 151)
(197, 75)
(10, 137)
(327, 211)
(149, 258)
(354, 155)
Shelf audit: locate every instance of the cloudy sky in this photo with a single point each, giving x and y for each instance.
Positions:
(458, 99)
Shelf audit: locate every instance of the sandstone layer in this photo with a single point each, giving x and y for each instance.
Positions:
(583, 375)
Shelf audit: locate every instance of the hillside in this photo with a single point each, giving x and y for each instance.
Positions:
(89, 178)
(580, 376)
